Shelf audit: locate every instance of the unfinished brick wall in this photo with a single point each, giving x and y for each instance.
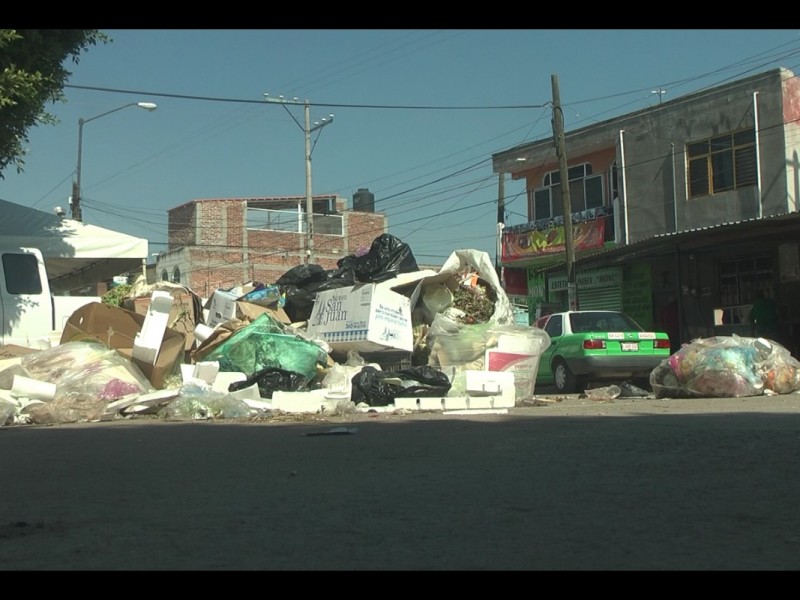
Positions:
(180, 226)
(362, 230)
(223, 253)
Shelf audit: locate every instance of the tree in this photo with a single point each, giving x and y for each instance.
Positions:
(32, 74)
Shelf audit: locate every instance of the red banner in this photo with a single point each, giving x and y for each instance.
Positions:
(540, 242)
(515, 281)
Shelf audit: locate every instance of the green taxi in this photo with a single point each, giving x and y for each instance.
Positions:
(598, 346)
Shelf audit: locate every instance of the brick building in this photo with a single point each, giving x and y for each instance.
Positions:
(220, 243)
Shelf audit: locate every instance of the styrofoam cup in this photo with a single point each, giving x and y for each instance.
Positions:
(25, 387)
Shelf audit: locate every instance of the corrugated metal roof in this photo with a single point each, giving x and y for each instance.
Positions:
(771, 227)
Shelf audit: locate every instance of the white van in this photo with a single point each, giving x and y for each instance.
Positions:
(29, 313)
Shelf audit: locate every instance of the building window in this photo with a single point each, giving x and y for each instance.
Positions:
(328, 224)
(741, 279)
(176, 275)
(293, 221)
(164, 275)
(585, 192)
(275, 220)
(722, 163)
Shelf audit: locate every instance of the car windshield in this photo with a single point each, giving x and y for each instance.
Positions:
(583, 322)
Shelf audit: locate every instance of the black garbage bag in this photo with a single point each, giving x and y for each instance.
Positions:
(271, 380)
(299, 287)
(369, 385)
(387, 258)
(302, 275)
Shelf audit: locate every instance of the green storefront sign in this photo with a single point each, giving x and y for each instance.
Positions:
(587, 279)
(637, 295)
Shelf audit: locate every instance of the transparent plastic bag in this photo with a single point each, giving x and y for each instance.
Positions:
(8, 412)
(199, 402)
(727, 366)
(86, 367)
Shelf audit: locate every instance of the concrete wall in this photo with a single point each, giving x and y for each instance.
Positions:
(651, 148)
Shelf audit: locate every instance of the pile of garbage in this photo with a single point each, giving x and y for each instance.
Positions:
(360, 337)
(727, 367)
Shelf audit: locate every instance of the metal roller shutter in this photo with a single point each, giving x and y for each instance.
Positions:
(600, 298)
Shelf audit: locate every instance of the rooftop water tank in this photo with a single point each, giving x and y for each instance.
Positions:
(364, 201)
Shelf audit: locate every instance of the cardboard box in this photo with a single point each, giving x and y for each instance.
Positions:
(14, 351)
(223, 306)
(117, 328)
(250, 312)
(181, 315)
(368, 317)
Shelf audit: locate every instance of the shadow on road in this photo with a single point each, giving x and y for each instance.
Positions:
(501, 492)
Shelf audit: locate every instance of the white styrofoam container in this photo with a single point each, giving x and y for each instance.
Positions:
(518, 354)
(147, 342)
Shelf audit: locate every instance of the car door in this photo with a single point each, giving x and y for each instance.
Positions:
(554, 326)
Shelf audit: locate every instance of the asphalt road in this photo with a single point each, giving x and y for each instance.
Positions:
(571, 484)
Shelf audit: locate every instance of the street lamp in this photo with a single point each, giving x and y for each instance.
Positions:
(76, 186)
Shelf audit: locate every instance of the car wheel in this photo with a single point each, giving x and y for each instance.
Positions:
(564, 380)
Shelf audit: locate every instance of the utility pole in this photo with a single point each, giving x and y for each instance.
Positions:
(660, 92)
(501, 223)
(307, 131)
(309, 199)
(558, 135)
(75, 202)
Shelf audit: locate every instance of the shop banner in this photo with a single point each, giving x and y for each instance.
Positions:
(542, 242)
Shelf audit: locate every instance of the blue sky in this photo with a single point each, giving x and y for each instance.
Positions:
(418, 114)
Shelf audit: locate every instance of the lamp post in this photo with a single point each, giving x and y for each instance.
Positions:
(307, 130)
(76, 186)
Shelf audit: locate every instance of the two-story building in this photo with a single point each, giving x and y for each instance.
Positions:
(694, 199)
(220, 243)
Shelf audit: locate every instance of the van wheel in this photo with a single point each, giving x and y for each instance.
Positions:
(564, 380)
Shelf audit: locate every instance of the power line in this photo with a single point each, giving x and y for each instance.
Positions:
(400, 195)
(315, 104)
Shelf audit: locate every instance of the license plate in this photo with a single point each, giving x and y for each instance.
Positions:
(630, 346)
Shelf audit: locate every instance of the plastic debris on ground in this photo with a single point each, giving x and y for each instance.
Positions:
(200, 402)
(727, 366)
(334, 431)
(604, 394)
(628, 390)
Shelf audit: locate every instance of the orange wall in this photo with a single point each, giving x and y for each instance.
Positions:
(600, 160)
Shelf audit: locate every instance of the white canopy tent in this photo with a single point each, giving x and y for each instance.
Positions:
(75, 253)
